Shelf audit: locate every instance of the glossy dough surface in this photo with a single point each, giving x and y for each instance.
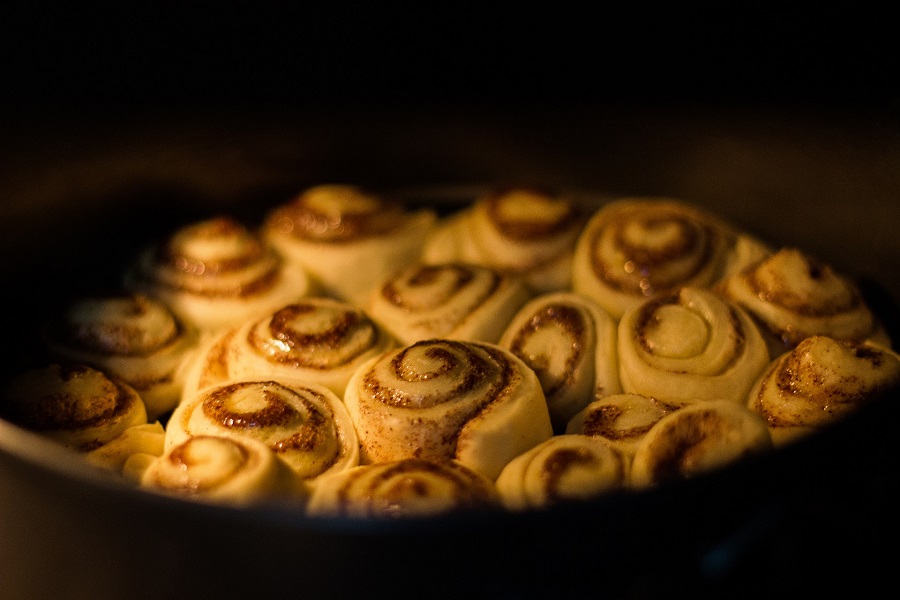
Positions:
(448, 400)
(564, 468)
(78, 406)
(570, 343)
(130, 452)
(448, 300)
(525, 232)
(793, 296)
(402, 489)
(620, 420)
(634, 249)
(690, 346)
(131, 336)
(317, 339)
(224, 469)
(348, 238)
(821, 381)
(696, 439)
(217, 273)
(305, 424)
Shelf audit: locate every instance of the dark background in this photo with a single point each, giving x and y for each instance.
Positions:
(166, 57)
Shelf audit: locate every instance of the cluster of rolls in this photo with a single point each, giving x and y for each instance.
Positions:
(354, 357)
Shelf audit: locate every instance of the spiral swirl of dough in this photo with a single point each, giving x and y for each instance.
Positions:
(821, 381)
(131, 452)
(620, 420)
(237, 471)
(697, 439)
(132, 336)
(451, 300)
(793, 296)
(305, 424)
(634, 249)
(348, 238)
(570, 342)
(407, 488)
(76, 405)
(564, 468)
(216, 273)
(526, 232)
(688, 346)
(445, 399)
(317, 339)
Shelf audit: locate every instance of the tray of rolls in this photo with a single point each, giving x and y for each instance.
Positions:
(345, 372)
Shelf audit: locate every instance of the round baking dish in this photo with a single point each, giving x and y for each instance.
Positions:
(80, 200)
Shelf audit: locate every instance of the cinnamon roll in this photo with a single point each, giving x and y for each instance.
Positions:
(697, 439)
(526, 232)
(570, 342)
(131, 452)
(348, 238)
(445, 399)
(821, 381)
(634, 249)
(564, 468)
(237, 471)
(450, 300)
(620, 420)
(216, 274)
(76, 405)
(792, 296)
(305, 424)
(688, 346)
(402, 489)
(316, 339)
(133, 336)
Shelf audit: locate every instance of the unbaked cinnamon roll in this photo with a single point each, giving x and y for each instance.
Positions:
(316, 339)
(402, 489)
(348, 238)
(690, 345)
(131, 452)
(570, 342)
(620, 420)
(305, 424)
(444, 399)
(821, 381)
(76, 405)
(634, 249)
(564, 468)
(451, 300)
(697, 439)
(793, 296)
(526, 232)
(237, 471)
(216, 273)
(135, 337)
